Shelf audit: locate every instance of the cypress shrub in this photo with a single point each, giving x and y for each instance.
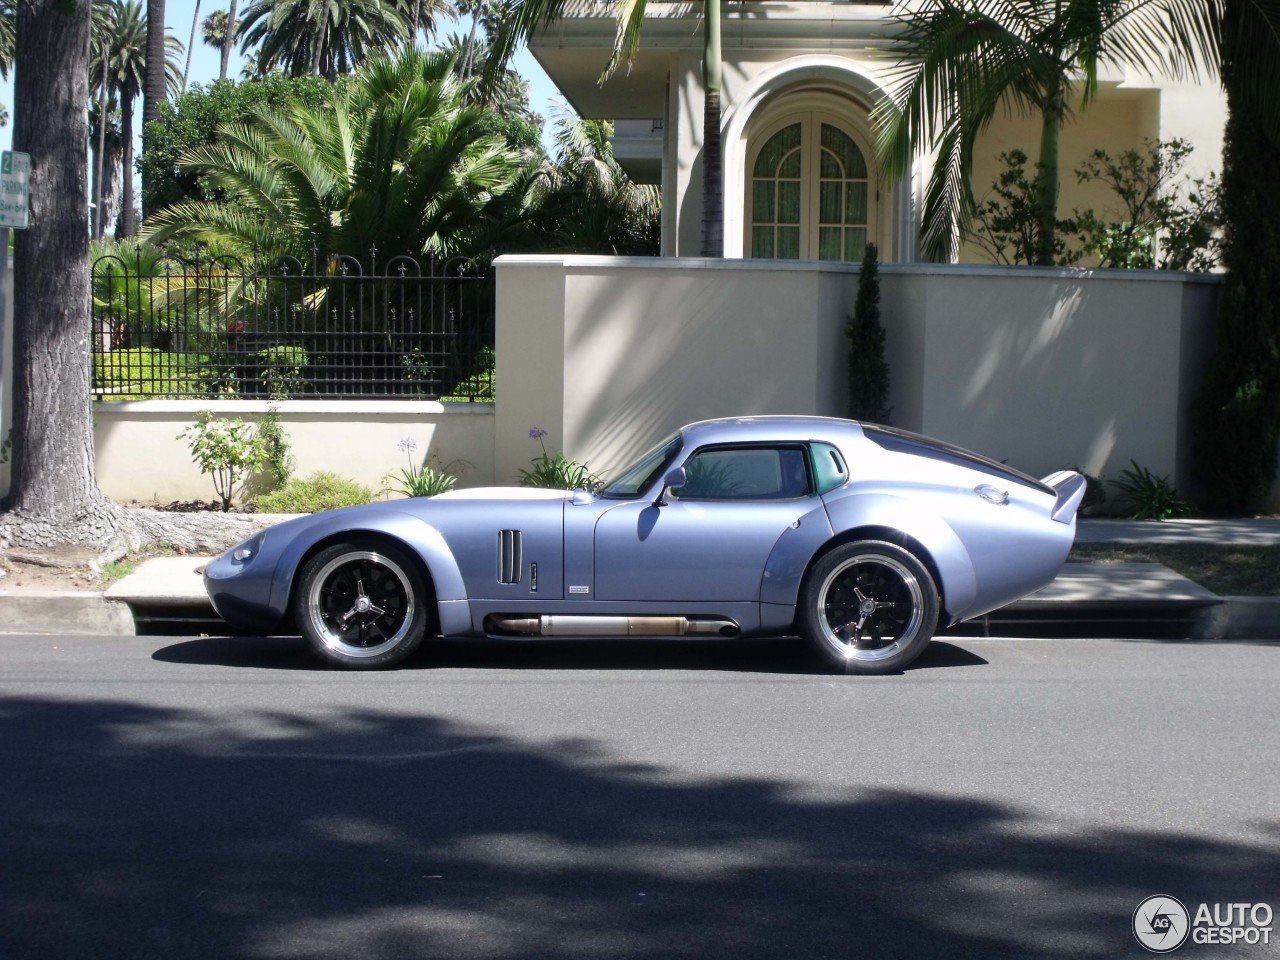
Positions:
(868, 368)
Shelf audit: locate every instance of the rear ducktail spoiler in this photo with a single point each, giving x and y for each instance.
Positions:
(1069, 487)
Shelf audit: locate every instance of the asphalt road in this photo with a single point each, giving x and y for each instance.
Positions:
(214, 798)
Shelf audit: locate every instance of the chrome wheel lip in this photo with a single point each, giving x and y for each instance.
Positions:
(321, 627)
(905, 579)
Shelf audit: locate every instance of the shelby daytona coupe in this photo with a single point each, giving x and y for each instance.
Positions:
(861, 539)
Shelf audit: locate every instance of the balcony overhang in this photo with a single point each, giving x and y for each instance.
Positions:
(575, 49)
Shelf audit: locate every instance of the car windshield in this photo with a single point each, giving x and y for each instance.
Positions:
(638, 477)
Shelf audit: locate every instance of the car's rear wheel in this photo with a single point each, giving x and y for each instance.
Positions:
(362, 605)
(869, 607)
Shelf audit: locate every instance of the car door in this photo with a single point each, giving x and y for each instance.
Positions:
(709, 540)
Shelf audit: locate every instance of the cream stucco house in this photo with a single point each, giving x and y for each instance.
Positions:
(800, 78)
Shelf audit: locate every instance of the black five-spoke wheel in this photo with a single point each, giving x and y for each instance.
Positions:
(362, 605)
(869, 607)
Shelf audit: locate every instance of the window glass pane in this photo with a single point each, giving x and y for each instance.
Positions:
(855, 243)
(762, 242)
(746, 474)
(788, 243)
(790, 166)
(855, 210)
(789, 201)
(762, 194)
(829, 206)
(840, 144)
(829, 243)
(771, 155)
(831, 168)
(828, 467)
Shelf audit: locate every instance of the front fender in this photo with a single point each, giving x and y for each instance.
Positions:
(959, 583)
(413, 532)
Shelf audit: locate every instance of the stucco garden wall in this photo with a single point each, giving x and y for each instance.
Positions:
(140, 457)
(1044, 368)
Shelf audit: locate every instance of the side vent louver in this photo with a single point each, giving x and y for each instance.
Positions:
(510, 555)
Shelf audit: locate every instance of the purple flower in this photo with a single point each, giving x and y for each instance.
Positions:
(537, 433)
(408, 444)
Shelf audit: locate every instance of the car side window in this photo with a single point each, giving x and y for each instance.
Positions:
(829, 470)
(746, 473)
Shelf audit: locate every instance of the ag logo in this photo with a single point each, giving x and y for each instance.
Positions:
(1161, 924)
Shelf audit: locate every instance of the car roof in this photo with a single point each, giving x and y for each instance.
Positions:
(765, 428)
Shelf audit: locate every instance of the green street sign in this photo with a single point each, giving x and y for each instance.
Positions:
(15, 193)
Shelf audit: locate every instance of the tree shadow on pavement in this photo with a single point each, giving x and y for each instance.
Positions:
(139, 832)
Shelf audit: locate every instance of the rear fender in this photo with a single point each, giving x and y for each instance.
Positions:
(950, 559)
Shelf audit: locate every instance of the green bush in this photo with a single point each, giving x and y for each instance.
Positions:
(1150, 497)
(138, 373)
(318, 492)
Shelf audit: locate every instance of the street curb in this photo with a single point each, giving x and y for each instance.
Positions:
(1241, 618)
(65, 612)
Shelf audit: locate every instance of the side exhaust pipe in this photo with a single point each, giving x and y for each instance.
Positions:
(572, 626)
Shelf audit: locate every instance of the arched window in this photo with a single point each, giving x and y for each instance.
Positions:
(810, 193)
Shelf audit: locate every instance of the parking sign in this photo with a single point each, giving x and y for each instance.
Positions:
(15, 195)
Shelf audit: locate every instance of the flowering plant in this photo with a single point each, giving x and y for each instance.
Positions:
(553, 470)
(419, 480)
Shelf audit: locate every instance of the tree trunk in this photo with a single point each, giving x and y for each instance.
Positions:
(128, 224)
(153, 93)
(191, 45)
(321, 33)
(712, 166)
(1048, 181)
(53, 487)
(99, 157)
(228, 40)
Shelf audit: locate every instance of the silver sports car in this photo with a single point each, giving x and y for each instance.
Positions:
(861, 539)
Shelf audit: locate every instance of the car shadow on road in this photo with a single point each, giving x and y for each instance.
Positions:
(786, 655)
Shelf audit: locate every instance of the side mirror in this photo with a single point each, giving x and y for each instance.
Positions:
(672, 481)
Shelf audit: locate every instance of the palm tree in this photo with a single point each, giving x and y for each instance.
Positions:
(8, 37)
(523, 19)
(214, 33)
(230, 31)
(328, 39)
(191, 45)
(119, 55)
(961, 61)
(398, 161)
(589, 204)
(154, 83)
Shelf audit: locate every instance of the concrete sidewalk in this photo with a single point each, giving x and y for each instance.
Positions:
(168, 593)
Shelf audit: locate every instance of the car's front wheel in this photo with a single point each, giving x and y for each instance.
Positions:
(869, 607)
(362, 605)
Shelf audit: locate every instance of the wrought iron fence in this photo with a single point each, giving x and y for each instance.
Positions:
(222, 327)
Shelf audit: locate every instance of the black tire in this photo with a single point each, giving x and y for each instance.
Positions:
(869, 607)
(363, 605)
